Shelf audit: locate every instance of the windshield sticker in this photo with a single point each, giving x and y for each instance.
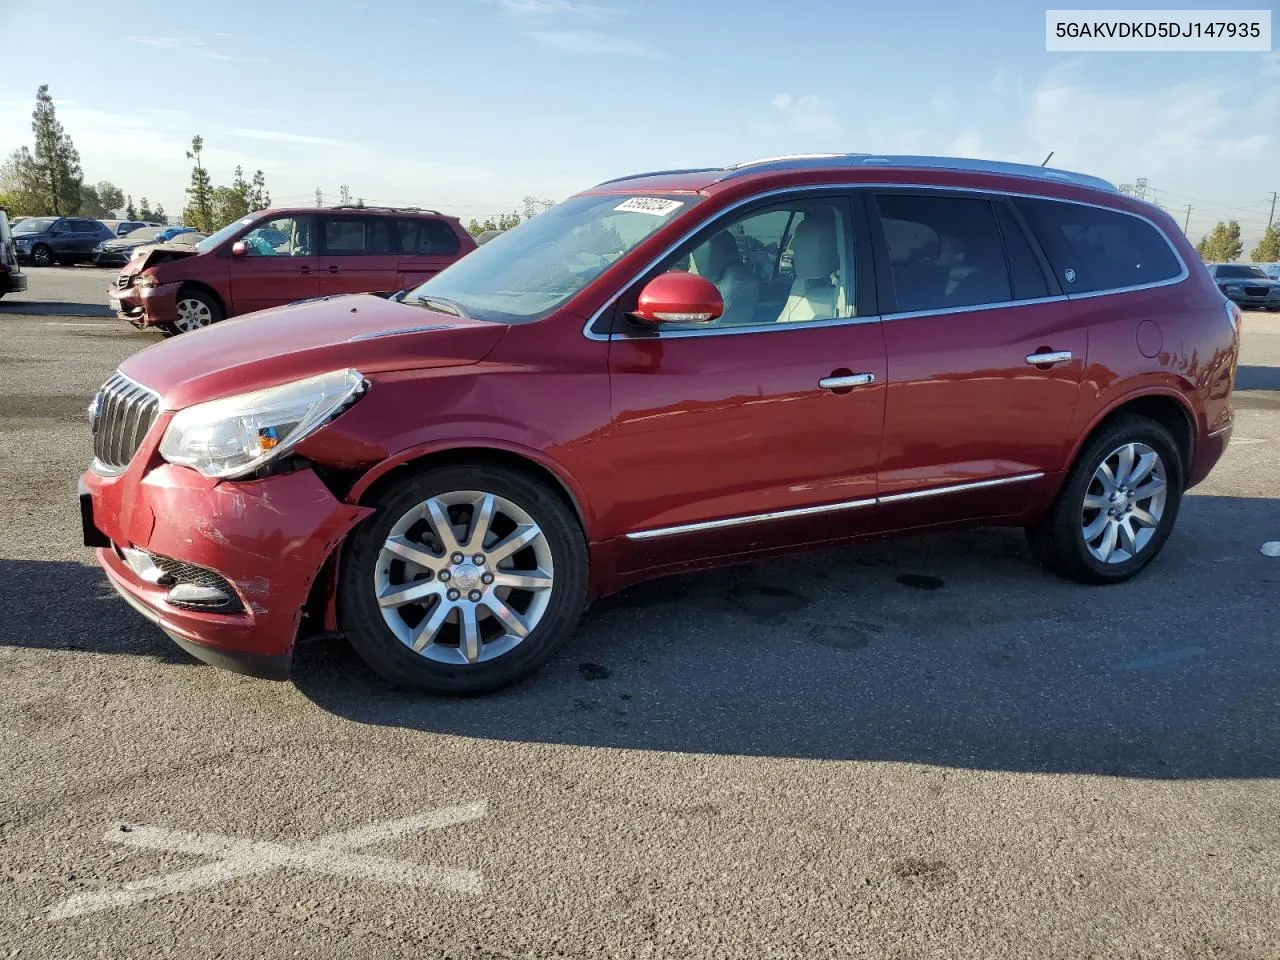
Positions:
(656, 206)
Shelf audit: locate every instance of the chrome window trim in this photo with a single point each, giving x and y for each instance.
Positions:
(653, 533)
(758, 328)
(743, 519)
(902, 315)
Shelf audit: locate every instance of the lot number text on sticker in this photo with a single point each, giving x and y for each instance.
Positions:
(654, 205)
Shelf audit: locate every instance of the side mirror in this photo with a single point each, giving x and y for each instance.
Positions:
(679, 297)
(239, 248)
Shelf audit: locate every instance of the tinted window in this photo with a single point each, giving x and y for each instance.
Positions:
(1095, 249)
(1225, 270)
(345, 235)
(427, 238)
(944, 252)
(1024, 266)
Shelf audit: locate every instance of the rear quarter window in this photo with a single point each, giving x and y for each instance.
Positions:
(1092, 249)
(424, 237)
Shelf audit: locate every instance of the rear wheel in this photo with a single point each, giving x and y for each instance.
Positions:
(195, 311)
(465, 580)
(1117, 507)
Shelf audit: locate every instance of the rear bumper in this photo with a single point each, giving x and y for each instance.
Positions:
(1208, 451)
(268, 539)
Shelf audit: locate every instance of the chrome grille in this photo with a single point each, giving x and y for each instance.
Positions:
(122, 413)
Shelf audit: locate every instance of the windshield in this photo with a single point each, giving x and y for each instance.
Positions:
(35, 225)
(215, 240)
(525, 273)
(1241, 271)
(142, 233)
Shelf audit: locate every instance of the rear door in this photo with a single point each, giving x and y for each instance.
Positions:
(985, 358)
(355, 255)
(426, 246)
(279, 265)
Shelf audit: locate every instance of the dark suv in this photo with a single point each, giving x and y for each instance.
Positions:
(1246, 285)
(274, 257)
(45, 241)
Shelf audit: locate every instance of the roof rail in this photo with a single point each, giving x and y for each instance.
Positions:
(364, 206)
(660, 173)
(849, 160)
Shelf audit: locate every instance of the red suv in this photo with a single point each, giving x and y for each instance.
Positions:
(667, 372)
(274, 257)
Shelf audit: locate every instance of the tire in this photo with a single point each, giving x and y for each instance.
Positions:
(196, 310)
(41, 256)
(382, 636)
(1059, 540)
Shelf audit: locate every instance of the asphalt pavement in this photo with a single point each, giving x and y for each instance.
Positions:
(919, 748)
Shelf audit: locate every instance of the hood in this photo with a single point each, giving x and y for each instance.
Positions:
(157, 253)
(287, 343)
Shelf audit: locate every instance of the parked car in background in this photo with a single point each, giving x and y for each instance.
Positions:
(180, 241)
(12, 279)
(117, 252)
(124, 227)
(1246, 285)
(278, 256)
(1272, 270)
(45, 241)
(611, 392)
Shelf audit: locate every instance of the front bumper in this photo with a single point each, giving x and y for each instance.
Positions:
(1254, 303)
(268, 539)
(145, 306)
(109, 258)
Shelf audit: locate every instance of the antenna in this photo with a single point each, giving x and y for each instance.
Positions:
(1046, 159)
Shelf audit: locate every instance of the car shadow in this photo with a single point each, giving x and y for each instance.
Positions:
(54, 308)
(953, 649)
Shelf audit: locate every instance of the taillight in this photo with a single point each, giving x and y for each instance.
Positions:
(1233, 314)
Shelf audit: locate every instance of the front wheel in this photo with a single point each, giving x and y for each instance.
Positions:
(1117, 507)
(465, 580)
(196, 310)
(42, 256)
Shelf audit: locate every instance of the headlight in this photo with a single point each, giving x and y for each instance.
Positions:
(146, 280)
(1234, 288)
(22, 241)
(236, 435)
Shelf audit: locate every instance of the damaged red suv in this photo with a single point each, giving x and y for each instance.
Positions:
(274, 257)
(667, 372)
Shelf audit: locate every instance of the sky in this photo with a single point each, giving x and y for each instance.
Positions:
(470, 105)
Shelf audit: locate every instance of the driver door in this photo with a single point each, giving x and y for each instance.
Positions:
(279, 266)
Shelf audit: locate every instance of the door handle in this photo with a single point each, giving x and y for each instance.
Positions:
(333, 268)
(305, 268)
(1048, 357)
(844, 383)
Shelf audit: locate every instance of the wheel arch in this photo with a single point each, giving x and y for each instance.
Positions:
(1165, 406)
(502, 455)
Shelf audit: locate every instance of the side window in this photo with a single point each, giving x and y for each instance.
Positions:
(281, 237)
(84, 226)
(383, 239)
(784, 264)
(425, 237)
(944, 252)
(1094, 249)
(345, 236)
(1024, 266)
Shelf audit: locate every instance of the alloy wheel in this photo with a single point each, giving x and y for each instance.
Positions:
(193, 314)
(41, 257)
(1124, 503)
(464, 577)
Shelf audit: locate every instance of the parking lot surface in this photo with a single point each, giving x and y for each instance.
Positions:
(919, 748)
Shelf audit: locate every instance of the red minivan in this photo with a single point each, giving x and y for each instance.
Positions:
(667, 372)
(273, 257)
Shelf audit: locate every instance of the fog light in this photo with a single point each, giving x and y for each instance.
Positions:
(195, 595)
(140, 562)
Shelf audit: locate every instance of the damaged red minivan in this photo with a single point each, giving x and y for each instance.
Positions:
(667, 372)
(273, 257)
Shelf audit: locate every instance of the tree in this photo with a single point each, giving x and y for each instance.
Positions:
(55, 161)
(101, 200)
(130, 211)
(259, 195)
(1222, 244)
(159, 216)
(19, 189)
(1268, 248)
(475, 228)
(199, 211)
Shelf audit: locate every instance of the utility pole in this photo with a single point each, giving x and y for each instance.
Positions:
(1271, 215)
(1187, 222)
(319, 198)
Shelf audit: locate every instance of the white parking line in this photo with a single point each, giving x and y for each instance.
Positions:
(241, 858)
